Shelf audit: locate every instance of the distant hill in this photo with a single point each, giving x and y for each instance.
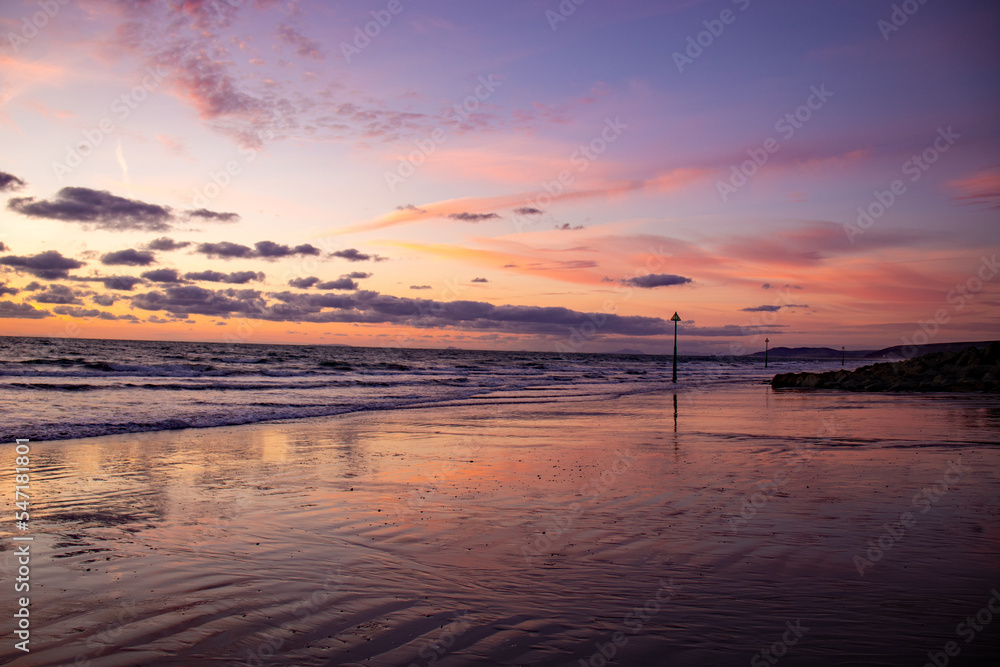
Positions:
(896, 352)
(907, 352)
(806, 353)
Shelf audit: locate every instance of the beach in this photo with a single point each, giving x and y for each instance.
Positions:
(702, 528)
(448, 334)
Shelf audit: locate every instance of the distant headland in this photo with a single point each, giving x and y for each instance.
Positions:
(894, 353)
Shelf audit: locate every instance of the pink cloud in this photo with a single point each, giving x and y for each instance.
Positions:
(173, 144)
(61, 114)
(303, 46)
(810, 243)
(982, 188)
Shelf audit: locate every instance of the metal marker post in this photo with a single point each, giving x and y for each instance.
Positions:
(675, 319)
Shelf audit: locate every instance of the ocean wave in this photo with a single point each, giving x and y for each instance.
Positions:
(195, 385)
(107, 387)
(245, 414)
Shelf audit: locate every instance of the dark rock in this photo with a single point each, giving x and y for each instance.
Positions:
(972, 369)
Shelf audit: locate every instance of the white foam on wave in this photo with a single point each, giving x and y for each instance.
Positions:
(70, 389)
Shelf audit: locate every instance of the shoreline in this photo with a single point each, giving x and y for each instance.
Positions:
(478, 399)
(683, 393)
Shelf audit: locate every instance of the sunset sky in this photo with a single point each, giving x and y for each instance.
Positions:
(538, 175)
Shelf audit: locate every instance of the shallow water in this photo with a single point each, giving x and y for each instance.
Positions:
(525, 534)
(57, 389)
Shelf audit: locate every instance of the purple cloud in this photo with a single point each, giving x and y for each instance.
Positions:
(128, 257)
(99, 208)
(656, 280)
(10, 182)
(48, 265)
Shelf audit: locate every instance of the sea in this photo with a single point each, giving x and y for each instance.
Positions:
(64, 388)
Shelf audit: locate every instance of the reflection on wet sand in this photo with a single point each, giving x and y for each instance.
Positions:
(527, 536)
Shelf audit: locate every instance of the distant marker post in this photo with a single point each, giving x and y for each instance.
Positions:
(766, 341)
(675, 319)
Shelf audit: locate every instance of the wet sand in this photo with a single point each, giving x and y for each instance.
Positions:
(747, 520)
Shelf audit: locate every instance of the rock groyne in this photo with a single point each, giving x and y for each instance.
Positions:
(970, 370)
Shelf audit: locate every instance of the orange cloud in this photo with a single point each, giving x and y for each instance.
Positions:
(520, 259)
(663, 182)
(36, 72)
(591, 260)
